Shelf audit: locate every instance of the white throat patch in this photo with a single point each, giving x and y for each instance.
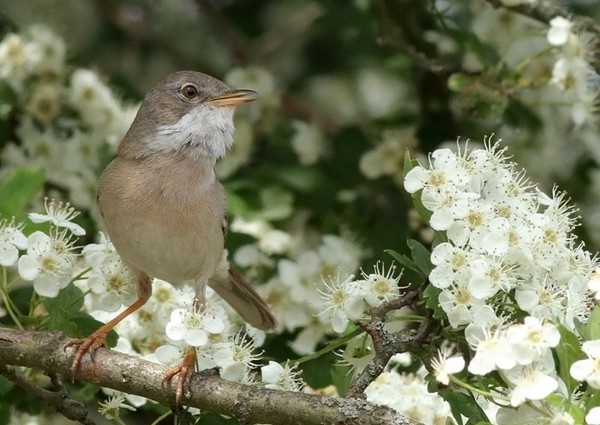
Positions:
(205, 131)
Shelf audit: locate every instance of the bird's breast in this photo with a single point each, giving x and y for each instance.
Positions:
(164, 216)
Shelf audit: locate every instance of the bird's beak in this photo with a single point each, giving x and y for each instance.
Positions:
(233, 98)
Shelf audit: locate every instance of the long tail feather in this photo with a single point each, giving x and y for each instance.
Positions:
(244, 299)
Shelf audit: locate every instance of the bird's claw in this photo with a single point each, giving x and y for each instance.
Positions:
(87, 345)
(184, 372)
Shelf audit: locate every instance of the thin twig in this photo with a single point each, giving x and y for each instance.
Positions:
(70, 408)
(387, 344)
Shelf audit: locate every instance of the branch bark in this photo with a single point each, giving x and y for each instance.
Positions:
(134, 375)
(387, 344)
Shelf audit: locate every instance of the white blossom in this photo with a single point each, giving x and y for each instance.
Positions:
(236, 357)
(343, 301)
(560, 31)
(380, 286)
(110, 408)
(277, 377)
(531, 339)
(194, 326)
(534, 381)
(48, 263)
(594, 283)
(588, 369)
(492, 350)
(407, 393)
(593, 416)
(12, 240)
(446, 364)
(308, 142)
(114, 284)
(59, 214)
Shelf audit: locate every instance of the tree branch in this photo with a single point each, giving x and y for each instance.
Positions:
(134, 375)
(387, 344)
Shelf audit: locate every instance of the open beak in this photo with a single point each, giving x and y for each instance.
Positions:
(233, 98)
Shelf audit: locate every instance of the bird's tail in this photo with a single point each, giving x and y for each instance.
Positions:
(243, 298)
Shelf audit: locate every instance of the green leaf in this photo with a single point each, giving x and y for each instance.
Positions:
(276, 203)
(65, 315)
(464, 404)
(406, 262)
(568, 351)
(302, 179)
(459, 82)
(236, 204)
(519, 114)
(86, 325)
(341, 376)
(85, 392)
(431, 295)
(562, 404)
(591, 330)
(5, 385)
(19, 187)
(409, 164)
(62, 308)
(69, 301)
(312, 371)
(6, 411)
(7, 93)
(421, 256)
(485, 52)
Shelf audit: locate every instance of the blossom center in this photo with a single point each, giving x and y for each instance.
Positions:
(437, 179)
(463, 297)
(49, 265)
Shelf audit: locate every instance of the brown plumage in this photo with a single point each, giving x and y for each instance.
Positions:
(163, 206)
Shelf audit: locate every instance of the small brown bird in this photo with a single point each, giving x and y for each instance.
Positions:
(163, 206)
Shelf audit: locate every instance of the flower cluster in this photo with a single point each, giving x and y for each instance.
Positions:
(571, 72)
(66, 118)
(111, 282)
(408, 394)
(290, 292)
(507, 269)
(50, 260)
(503, 239)
(522, 352)
(346, 299)
(555, 83)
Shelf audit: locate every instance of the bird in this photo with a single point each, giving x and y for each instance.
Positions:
(164, 208)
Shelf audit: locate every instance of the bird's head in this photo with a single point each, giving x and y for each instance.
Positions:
(187, 112)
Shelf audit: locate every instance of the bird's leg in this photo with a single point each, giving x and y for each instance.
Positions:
(98, 338)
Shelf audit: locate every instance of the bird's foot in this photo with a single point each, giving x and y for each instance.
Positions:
(86, 345)
(184, 373)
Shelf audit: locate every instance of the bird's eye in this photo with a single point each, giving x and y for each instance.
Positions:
(190, 91)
